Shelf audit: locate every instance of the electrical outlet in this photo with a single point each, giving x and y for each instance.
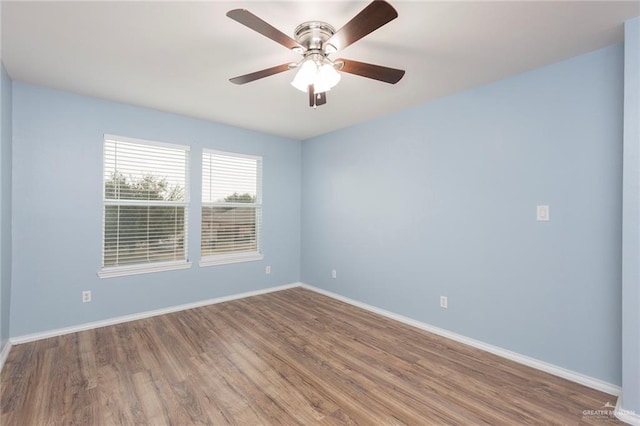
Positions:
(542, 213)
(267, 270)
(443, 302)
(86, 296)
(334, 274)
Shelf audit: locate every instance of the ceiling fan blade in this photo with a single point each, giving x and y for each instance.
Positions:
(376, 72)
(250, 20)
(372, 17)
(242, 79)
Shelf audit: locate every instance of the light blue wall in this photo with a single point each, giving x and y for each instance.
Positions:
(631, 221)
(57, 205)
(5, 205)
(441, 200)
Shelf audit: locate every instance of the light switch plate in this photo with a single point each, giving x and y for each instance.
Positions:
(444, 303)
(542, 213)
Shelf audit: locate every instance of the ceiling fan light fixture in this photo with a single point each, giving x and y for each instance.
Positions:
(323, 76)
(326, 78)
(305, 76)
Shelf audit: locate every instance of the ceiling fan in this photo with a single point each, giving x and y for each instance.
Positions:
(316, 40)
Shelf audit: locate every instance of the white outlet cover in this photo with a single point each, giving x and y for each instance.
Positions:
(542, 213)
(443, 302)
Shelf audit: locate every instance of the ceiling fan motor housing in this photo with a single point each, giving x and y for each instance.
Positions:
(313, 35)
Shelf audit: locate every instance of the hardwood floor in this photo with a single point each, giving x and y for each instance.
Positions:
(291, 357)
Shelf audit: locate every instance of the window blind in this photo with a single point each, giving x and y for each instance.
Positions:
(146, 195)
(231, 204)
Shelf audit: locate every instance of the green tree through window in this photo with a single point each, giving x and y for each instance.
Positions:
(145, 203)
(150, 233)
(231, 207)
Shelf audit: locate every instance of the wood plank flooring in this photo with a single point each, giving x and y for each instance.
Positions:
(290, 357)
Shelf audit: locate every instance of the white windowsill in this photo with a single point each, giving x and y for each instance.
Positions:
(224, 259)
(121, 271)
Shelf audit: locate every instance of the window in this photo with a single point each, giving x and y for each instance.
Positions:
(146, 198)
(231, 208)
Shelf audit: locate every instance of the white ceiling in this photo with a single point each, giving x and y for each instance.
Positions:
(178, 56)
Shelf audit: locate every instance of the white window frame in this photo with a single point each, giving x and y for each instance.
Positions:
(143, 268)
(222, 259)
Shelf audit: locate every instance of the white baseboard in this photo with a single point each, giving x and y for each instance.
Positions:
(147, 314)
(626, 416)
(4, 353)
(573, 376)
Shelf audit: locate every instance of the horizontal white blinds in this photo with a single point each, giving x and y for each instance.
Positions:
(142, 171)
(146, 192)
(231, 203)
